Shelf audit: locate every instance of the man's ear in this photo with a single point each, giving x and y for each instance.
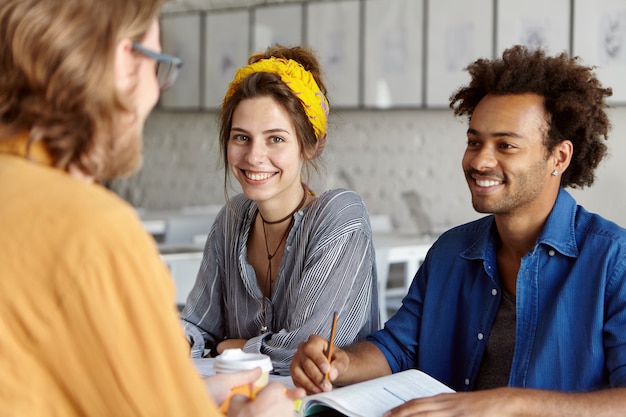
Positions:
(563, 155)
(124, 64)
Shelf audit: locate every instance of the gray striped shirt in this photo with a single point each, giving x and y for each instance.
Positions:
(328, 265)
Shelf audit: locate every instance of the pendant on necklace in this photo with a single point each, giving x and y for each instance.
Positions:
(263, 329)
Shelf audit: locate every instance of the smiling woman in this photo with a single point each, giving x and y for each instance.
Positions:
(279, 259)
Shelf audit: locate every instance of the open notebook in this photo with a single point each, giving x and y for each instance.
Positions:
(372, 398)
(364, 399)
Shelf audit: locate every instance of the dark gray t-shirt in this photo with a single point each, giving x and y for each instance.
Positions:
(495, 366)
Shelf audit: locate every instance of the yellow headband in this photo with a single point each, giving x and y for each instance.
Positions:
(301, 82)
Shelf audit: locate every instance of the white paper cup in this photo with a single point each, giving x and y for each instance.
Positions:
(235, 360)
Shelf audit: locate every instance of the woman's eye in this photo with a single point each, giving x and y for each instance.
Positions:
(276, 139)
(240, 138)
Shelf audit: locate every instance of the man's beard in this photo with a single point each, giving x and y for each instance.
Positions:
(121, 156)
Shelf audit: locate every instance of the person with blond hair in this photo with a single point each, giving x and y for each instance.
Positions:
(87, 310)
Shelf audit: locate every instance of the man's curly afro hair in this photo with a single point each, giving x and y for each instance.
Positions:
(573, 97)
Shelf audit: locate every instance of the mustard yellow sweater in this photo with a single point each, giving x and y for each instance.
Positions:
(88, 324)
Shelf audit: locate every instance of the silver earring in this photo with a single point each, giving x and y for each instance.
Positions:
(555, 173)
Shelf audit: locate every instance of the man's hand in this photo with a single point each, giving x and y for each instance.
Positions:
(310, 365)
(488, 403)
(510, 402)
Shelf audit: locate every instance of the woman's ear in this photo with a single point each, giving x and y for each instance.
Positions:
(124, 65)
(311, 152)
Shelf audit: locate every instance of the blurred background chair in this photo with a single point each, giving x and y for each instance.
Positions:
(398, 257)
(184, 267)
(182, 246)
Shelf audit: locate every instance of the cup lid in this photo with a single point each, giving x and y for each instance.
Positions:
(233, 360)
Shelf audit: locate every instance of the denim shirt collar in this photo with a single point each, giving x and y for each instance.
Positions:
(558, 232)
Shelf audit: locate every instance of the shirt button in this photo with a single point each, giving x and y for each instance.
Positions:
(300, 212)
(551, 252)
(288, 248)
(466, 381)
(494, 292)
(480, 336)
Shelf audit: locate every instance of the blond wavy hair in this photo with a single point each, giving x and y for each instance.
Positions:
(57, 74)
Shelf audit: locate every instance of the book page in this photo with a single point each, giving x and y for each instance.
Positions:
(372, 398)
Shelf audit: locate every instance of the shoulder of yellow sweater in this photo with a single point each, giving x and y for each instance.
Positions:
(85, 204)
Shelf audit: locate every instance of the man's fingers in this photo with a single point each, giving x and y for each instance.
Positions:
(307, 376)
(305, 367)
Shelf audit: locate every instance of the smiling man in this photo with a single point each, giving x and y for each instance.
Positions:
(524, 309)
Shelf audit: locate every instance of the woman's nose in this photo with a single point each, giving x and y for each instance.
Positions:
(257, 153)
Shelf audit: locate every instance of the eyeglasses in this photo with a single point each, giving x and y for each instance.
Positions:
(167, 66)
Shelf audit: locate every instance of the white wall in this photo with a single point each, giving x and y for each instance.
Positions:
(405, 163)
(606, 196)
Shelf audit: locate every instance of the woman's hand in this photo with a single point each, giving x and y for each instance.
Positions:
(230, 344)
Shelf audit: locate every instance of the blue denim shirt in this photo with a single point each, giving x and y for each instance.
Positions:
(571, 306)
